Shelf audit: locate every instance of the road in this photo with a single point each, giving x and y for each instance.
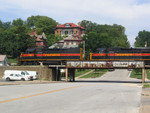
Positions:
(112, 93)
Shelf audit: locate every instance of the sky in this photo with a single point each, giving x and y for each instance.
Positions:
(134, 15)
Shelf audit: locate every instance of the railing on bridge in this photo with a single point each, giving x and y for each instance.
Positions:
(105, 64)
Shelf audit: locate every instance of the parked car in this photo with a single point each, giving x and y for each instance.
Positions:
(23, 73)
(13, 76)
(111, 69)
(34, 74)
(129, 69)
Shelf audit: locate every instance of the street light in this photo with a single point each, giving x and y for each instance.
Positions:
(84, 47)
(145, 43)
(41, 64)
(17, 43)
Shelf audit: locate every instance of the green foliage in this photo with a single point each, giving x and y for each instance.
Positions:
(81, 72)
(136, 73)
(14, 38)
(141, 38)
(12, 60)
(96, 73)
(93, 75)
(42, 24)
(146, 85)
(103, 36)
(148, 73)
(18, 22)
(51, 39)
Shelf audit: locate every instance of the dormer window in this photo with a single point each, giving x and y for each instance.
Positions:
(67, 25)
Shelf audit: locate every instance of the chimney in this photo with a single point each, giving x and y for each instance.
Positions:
(57, 23)
(79, 24)
(33, 30)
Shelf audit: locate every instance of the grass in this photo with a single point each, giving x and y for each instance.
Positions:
(78, 73)
(136, 73)
(148, 73)
(12, 60)
(96, 73)
(146, 85)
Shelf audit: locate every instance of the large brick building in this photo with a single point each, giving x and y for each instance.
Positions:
(73, 34)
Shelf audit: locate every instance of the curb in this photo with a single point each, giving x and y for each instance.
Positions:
(27, 82)
(144, 108)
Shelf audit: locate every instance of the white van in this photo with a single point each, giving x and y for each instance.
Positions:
(23, 73)
(34, 74)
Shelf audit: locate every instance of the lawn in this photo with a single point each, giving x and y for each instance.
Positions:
(146, 85)
(148, 73)
(81, 72)
(96, 73)
(12, 60)
(136, 73)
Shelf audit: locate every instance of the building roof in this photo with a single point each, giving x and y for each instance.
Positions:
(43, 36)
(2, 57)
(70, 25)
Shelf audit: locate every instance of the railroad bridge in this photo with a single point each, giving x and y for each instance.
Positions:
(70, 67)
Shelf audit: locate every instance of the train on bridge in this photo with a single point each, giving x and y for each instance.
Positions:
(48, 56)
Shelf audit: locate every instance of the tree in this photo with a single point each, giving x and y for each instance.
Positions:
(1, 26)
(143, 36)
(18, 22)
(14, 38)
(103, 36)
(89, 26)
(51, 39)
(42, 24)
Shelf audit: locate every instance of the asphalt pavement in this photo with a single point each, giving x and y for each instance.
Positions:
(101, 95)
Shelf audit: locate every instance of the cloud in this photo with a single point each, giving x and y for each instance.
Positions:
(134, 15)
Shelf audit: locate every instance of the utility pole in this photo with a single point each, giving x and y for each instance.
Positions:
(83, 48)
(145, 43)
(41, 64)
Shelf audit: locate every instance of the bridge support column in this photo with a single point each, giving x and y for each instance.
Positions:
(73, 75)
(143, 74)
(58, 77)
(70, 73)
(66, 72)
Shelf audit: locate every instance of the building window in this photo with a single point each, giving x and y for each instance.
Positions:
(67, 25)
(66, 32)
(70, 32)
(42, 43)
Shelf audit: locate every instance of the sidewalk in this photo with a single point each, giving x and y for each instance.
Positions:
(145, 101)
(27, 82)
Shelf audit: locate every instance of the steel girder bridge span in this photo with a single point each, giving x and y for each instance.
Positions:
(70, 67)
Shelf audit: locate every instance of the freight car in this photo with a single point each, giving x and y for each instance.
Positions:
(33, 56)
(121, 54)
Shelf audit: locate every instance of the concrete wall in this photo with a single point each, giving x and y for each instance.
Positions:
(46, 73)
